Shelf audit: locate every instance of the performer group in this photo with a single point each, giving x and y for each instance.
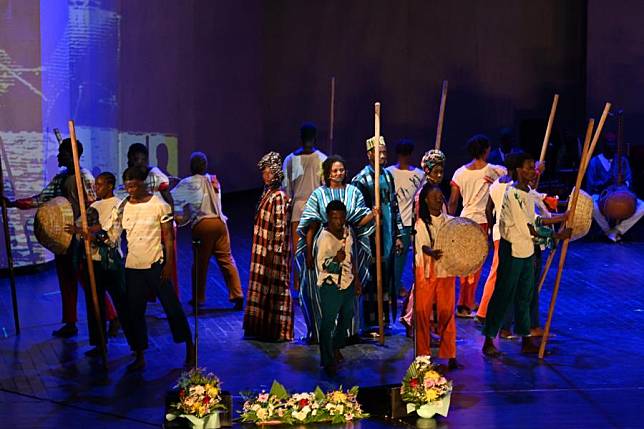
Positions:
(315, 227)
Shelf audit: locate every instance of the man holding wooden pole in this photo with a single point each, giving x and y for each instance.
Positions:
(387, 241)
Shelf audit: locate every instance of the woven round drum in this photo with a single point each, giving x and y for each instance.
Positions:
(50, 222)
(583, 215)
(464, 246)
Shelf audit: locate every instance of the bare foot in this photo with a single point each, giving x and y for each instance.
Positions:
(489, 349)
(536, 332)
(506, 335)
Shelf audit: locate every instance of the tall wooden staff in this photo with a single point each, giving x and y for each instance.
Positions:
(376, 166)
(441, 116)
(80, 189)
(332, 115)
(546, 138)
(7, 243)
(542, 158)
(437, 146)
(586, 155)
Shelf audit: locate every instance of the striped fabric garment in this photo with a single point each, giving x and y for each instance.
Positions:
(315, 211)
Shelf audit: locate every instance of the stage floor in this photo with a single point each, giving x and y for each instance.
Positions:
(593, 376)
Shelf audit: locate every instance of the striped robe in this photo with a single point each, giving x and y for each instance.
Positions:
(315, 211)
(269, 307)
(391, 230)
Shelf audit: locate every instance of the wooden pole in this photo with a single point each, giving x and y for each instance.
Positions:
(376, 166)
(441, 116)
(80, 189)
(546, 138)
(7, 243)
(546, 267)
(332, 116)
(582, 162)
(586, 155)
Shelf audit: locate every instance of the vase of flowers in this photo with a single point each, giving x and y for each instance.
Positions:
(425, 390)
(199, 399)
(279, 407)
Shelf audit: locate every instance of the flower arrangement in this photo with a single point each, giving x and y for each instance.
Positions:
(199, 398)
(278, 407)
(424, 389)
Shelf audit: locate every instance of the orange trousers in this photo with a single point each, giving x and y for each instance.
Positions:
(488, 289)
(467, 294)
(442, 292)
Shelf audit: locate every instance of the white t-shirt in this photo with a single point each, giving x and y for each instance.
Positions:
(104, 208)
(517, 212)
(423, 238)
(142, 225)
(328, 247)
(407, 182)
(302, 175)
(474, 186)
(497, 191)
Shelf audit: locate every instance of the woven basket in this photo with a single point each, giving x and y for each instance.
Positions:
(583, 215)
(50, 222)
(464, 246)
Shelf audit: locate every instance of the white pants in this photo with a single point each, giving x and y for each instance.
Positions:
(622, 226)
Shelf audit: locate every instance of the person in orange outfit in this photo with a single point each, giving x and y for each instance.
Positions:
(433, 284)
(471, 182)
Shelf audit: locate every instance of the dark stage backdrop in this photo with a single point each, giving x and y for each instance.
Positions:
(503, 59)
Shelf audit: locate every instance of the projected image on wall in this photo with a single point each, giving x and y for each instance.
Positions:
(60, 60)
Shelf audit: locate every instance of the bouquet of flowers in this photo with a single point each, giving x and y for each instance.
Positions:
(278, 407)
(199, 399)
(425, 390)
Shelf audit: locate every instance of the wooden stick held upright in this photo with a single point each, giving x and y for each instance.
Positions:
(441, 117)
(582, 162)
(332, 116)
(376, 166)
(546, 138)
(586, 155)
(80, 189)
(7, 243)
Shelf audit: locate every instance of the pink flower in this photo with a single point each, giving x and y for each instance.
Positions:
(263, 397)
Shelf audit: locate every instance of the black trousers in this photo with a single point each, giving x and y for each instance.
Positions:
(137, 282)
(112, 282)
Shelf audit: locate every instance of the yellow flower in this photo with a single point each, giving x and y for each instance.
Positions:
(431, 395)
(432, 375)
(338, 396)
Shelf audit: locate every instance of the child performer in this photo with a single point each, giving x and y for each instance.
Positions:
(336, 282)
(433, 285)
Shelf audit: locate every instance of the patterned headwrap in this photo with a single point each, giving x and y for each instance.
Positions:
(371, 142)
(432, 158)
(273, 161)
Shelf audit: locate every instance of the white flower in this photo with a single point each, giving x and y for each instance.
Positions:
(255, 407)
(199, 390)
